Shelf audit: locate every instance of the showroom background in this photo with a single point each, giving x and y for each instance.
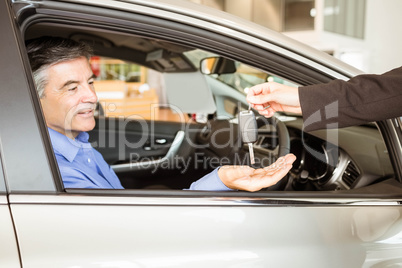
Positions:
(364, 33)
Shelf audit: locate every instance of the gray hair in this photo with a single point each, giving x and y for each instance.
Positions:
(46, 51)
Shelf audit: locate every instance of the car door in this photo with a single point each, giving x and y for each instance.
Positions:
(9, 255)
(57, 227)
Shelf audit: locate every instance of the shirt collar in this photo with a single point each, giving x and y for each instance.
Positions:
(68, 147)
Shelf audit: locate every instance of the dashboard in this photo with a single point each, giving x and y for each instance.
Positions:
(320, 164)
(338, 159)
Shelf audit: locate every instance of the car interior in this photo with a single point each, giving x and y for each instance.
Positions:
(167, 136)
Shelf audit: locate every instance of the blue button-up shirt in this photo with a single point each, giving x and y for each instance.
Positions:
(81, 166)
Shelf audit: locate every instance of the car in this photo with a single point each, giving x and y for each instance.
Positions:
(339, 206)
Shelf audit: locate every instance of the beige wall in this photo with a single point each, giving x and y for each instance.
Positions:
(240, 8)
(218, 4)
(268, 13)
(264, 12)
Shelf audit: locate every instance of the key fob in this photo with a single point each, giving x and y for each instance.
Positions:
(248, 126)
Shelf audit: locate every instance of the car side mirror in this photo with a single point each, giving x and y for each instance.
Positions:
(217, 65)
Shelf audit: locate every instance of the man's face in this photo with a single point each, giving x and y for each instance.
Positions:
(69, 97)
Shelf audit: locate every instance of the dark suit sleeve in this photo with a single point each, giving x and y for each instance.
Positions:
(364, 98)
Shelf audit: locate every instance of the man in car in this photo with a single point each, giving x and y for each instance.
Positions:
(65, 84)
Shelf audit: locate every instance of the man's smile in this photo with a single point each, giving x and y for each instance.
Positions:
(86, 112)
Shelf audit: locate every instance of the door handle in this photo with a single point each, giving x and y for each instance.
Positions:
(174, 148)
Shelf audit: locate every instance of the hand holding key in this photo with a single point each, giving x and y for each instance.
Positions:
(272, 97)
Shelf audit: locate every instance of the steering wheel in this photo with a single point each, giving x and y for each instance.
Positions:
(283, 146)
(282, 132)
(222, 139)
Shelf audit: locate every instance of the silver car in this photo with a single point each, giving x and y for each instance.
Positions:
(339, 206)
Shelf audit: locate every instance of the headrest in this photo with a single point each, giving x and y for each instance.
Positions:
(189, 92)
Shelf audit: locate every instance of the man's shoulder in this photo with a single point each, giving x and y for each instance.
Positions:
(63, 147)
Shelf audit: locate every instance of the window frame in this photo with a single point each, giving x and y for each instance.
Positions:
(19, 110)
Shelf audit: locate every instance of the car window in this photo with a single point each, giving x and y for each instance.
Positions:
(150, 150)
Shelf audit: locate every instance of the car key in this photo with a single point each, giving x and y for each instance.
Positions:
(248, 130)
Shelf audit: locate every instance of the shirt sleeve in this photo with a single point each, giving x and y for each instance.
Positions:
(210, 182)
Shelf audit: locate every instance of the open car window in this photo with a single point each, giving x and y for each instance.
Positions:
(163, 124)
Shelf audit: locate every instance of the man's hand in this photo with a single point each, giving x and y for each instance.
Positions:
(250, 179)
(272, 97)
